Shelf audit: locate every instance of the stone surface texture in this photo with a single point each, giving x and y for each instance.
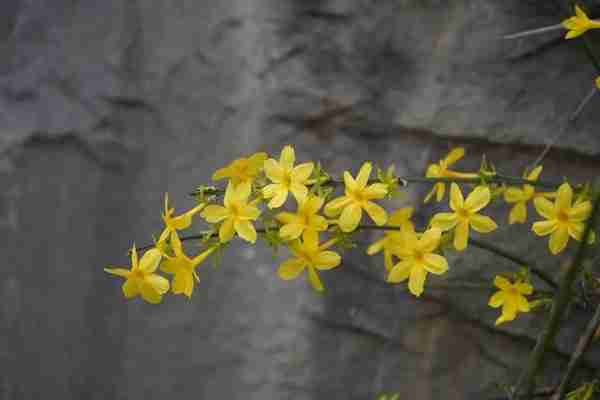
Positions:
(106, 105)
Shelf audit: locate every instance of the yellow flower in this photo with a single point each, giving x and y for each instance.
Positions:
(183, 267)
(521, 196)
(242, 170)
(597, 81)
(286, 178)
(578, 24)
(174, 224)
(510, 297)
(357, 198)
(418, 258)
(236, 215)
(563, 219)
(309, 255)
(306, 220)
(465, 215)
(440, 170)
(393, 238)
(141, 279)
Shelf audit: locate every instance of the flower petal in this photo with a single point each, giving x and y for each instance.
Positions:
(513, 195)
(461, 235)
(299, 191)
(543, 228)
(226, 231)
(243, 191)
(280, 197)
(523, 287)
(286, 217)
(575, 230)
(229, 195)
(375, 191)
(183, 283)
(456, 198)
(509, 311)
(518, 214)
(363, 175)
(430, 240)
(213, 214)
(482, 224)
(335, 206)
(580, 212)
(247, 212)
(327, 260)
(535, 173)
(373, 249)
(439, 191)
(416, 281)
(349, 182)
(478, 198)
(314, 280)
(291, 231)
(150, 260)
(302, 172)
(221, 173)
(400, 216)
(497, 299)
(544, 207)
(444, 221)
(564, 197)
(287, 157)
(350, 217)
(122, 272)
(558, 239)
(376, 212)
(318, 223)
(150, 294)
(502, 283)
(523, 304)
(435, 264)
(400, 272)
(131, 288)
(273, 171)
(455, 155)
(291, 268)
(245, 230)
(312, 205)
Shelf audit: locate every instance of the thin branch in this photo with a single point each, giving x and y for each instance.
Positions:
(405, 180)
(516, 259)
(530, 32)
(582, 345)
(562, 298)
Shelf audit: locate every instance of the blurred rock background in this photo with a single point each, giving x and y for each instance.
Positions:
(104, 106)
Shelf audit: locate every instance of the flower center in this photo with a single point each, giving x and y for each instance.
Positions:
(562, 216)
(463, 214)
(234, 210)
(357, 196)
(419, 256)
(137, 273)
(286, 180)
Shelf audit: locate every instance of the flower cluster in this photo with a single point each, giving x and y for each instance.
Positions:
(315, 225)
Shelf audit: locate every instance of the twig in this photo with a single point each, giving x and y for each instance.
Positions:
(582, 345)
(533, 32)
(516, 259)
(561, 300)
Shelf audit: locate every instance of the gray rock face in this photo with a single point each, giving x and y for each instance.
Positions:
(104, 106)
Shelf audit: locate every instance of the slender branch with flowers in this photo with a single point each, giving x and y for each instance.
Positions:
(315, 216)
(280, 202)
